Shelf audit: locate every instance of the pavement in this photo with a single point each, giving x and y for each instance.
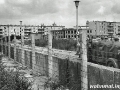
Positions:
(37, 81)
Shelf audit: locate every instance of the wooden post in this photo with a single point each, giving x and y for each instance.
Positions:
(50, 60)
(22, 43)
(14, 46)
(9, 52)
(84, 79)
(33, 51)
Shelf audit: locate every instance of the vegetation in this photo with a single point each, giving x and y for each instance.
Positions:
(41, 42)
(65, 44)
(11, 80)
(54, 84)
(62, 44)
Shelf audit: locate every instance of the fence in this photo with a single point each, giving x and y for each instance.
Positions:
(67, 67)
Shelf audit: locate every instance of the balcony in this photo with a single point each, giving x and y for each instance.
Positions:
(118, 30)
(110, 28)
(110, 25)
(27, 30)
(110, 32)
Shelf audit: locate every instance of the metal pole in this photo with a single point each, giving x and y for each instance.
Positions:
(77, 32)
(77, 23)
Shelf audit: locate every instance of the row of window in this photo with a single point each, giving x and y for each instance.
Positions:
(89, 31)
(70, 36)
(71, 32)
(67, 32)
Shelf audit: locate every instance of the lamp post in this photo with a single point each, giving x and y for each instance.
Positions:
(21, 33)
(77, 33)
(22, 44)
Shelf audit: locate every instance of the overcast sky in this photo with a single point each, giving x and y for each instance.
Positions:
(62, 12)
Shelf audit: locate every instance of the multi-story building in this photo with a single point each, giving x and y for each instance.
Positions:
(27, 29)
(97, 28)
(67, 33)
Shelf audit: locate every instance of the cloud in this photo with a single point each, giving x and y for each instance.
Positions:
(116, 7)
(39, 7)
(62, 12)
(26, 8)
(2, 1)
(101, 10)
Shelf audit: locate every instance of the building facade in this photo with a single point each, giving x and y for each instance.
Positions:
(67, 33)
(97, 28)
(6, 30)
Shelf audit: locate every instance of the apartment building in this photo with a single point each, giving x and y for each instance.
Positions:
(97, 28)
(6, 30)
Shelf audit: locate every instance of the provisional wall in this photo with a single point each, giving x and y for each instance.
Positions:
(103, 76)
(68, 69)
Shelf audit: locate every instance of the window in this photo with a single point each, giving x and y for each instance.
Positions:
(68, 32)
(91, 31)
(71, 32)
(75, 32)
(74, 36)
(68, 36)
(87, 31)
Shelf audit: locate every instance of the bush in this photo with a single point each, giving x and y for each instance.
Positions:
(41, 42)
(10, 80)
(63, 44)
(27, 42)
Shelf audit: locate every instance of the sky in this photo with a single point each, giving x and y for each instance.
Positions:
(62, 12)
